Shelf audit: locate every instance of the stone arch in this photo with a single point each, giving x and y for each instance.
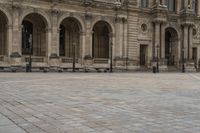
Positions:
(41, 13)
(177, 28)
(5, 22)
(107, 20)
(78, 18)
(34, 33)
(70, 34)
(7, 14)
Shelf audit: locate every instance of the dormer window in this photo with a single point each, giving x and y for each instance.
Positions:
(171, 5)
(144, 3)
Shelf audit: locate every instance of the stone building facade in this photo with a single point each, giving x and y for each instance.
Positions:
(131, 33)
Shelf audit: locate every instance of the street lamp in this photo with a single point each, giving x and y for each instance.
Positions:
(74, 56)
(111, 57)
(183, 60)
(30, 52)
(157, 58)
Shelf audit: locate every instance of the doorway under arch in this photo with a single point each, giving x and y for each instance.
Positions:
(34, 35)
(69, 35)
(101, 40)
(171, 46)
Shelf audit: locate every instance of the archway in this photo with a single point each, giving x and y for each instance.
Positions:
(34, 35)
(171, 46)
(101, 40)
(69, 35)
(3, 33)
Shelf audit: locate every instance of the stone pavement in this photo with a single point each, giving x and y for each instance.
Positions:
(99, 103)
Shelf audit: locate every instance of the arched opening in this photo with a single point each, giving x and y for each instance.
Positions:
(3, 33)
(101, 40)
(34, 35)
(171, 46)
(69, 36)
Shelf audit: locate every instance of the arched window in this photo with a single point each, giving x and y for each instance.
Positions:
(144, 3)
(171, 5)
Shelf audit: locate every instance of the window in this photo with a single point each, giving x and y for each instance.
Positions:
(195, 6)
(171, 5)
(144, 3)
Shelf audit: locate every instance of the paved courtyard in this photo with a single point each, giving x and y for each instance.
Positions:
(99, 103)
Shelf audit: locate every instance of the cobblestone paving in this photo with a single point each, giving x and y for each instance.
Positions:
(99, 103)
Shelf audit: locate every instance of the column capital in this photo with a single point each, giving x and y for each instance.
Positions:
(48, 29)
(9, 26)
(82, 33)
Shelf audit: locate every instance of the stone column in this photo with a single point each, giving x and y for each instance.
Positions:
(190, 41)
(9, 40)
(88, 35)
(15, 54)
(125, 39)
(157, 38)
(185, 41)
(162, 46)
(48, 42)
(16, 46)
(82, 43)
(119, 37)
(55, 34)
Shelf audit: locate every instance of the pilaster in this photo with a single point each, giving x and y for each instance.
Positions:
(162, 47)
(16, 29)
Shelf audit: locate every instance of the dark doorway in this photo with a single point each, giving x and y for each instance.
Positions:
(69, 35)
(34, 28)
(3, 34)
(171, 46)
(27, 31)
(194, 55)
(100, 40)
(143, 55)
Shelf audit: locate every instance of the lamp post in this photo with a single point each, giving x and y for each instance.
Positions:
(74, 56)
(30, 52)
(157, 58)
(111, 57)
(183, 60)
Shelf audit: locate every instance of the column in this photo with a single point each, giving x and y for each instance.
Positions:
(16, 46)
(54, 49)
(125, 54)
(162, 47)
(48, 42)
(157, 38)
(119, 37)
(9, 40)
(185, 41)
(88, 35)
(190, 41)
(82, 43)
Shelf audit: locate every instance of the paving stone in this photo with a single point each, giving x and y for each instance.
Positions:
(100, 103)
